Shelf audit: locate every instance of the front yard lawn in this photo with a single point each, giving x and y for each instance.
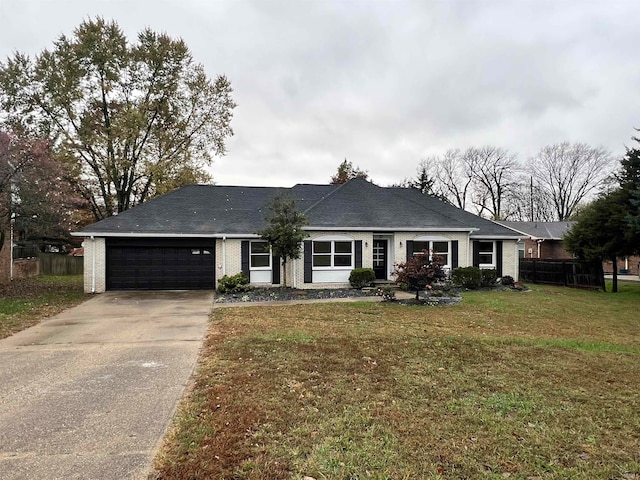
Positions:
(524, 385)
(25, 302)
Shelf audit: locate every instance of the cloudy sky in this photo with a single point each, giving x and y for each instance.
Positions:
(385, 84)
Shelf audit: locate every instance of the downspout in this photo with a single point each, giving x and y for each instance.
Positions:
(93, 264)
(294, 281)
(224, 256)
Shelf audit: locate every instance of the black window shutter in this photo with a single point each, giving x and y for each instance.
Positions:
(476, 253)
(308, 262)
(275, 270)
(454, 254)
(244, 257)
(358, 253)
(499, 258)
(409, 249)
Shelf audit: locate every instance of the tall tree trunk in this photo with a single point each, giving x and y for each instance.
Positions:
(614, 285)
(284, 272)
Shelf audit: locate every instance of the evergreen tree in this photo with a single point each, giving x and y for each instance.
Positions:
(284, 232)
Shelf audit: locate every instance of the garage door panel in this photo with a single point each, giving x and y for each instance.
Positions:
(160, 265)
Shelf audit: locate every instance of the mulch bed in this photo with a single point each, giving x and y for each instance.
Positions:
(285, 294)
(288, 294)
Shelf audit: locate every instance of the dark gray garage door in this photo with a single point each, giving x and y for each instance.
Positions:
(160, 264)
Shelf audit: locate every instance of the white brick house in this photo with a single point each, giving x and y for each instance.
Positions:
(190, 238)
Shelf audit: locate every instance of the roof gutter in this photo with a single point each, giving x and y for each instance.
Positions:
(255, 235)
(388, 229)
(497, 237)
(164, 235)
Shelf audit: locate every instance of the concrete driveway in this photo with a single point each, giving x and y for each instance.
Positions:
(89, 393)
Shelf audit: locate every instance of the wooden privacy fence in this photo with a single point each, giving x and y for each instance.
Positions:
(570, 273)
(57, 264)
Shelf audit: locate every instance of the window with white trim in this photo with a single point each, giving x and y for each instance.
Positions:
(333, 254)
(486, 254)
(441, 248)
(521, 253)
(259, 255)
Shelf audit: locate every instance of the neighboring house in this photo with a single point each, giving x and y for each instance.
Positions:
(626, 266)
(191, 237)
(544, 239)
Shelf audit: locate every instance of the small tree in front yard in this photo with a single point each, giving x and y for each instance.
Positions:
(284, 231)
(419, 271)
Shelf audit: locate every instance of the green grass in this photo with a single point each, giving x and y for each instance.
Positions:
(25, 302)
(535, 385)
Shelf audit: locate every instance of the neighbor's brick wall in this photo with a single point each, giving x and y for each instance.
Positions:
(548, 249)
(97, 245)
(632, 264)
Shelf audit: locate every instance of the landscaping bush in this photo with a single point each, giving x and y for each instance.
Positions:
(467, 277)
(489, 277)
(234, 284)
(420, 271)
(507, 281)
(362, 277)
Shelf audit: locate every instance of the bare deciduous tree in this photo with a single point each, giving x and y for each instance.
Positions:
(494, 171)
(568, 173)
(453, 177)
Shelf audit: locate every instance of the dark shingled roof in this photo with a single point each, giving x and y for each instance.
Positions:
(541, 230)
(356, 205)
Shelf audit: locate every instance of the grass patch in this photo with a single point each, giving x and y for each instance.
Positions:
(25, 302)
(542, 384)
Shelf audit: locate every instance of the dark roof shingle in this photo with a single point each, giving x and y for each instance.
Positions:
(219, 210)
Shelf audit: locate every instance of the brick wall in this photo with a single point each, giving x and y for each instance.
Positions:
(550, 249)
(630, 263)
(95, 253)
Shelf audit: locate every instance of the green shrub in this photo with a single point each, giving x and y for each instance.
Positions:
(362, 277)
(234, 284)
(507, 281)
(489, 277)
(467, 277)
(387, 293)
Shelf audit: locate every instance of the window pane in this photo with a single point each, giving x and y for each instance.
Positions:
(485, 247)
(195, 251)
(322, 260)
(440, 247)
(442, 258)
(321, 247)
(206, 252)
(343, 247)
(342, 261)
(259, 247)
(486, 259)
(419, 246)
(259, 260)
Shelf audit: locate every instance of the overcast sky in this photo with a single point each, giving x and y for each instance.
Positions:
(385, 84)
